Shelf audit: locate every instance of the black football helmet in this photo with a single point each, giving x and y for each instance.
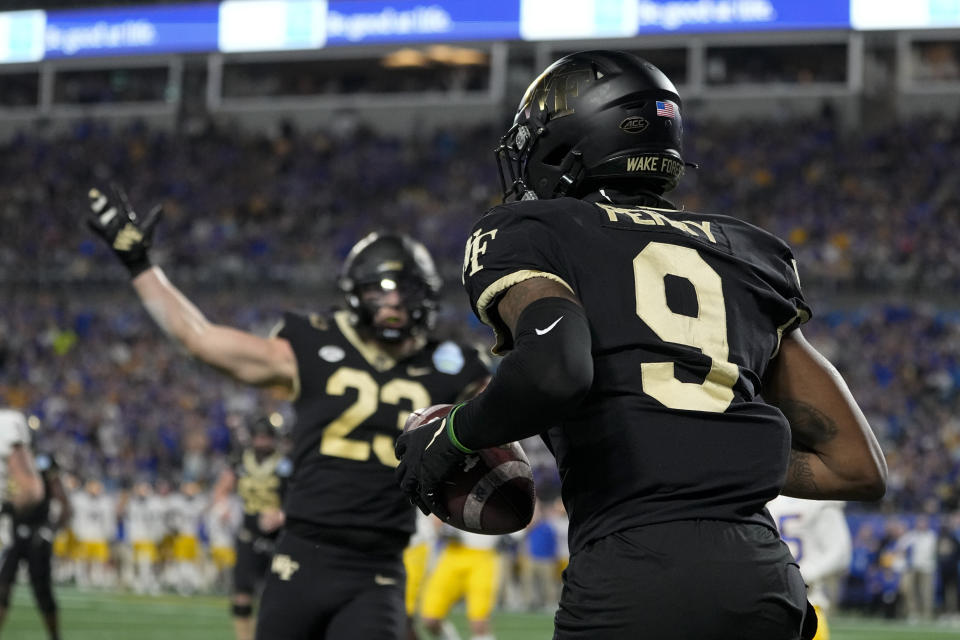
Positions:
(392, 262)
(263, 426)
(593, 119)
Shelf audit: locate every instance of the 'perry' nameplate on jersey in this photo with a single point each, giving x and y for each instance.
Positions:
(665, 220)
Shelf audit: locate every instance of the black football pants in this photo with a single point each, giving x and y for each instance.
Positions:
(318, 591)
(692, 579)
(253, 562)
(36, 551)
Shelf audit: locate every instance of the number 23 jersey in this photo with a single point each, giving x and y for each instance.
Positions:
(353, 402)
(685, 312)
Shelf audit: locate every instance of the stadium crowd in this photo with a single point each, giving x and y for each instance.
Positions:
(287, 207)
(261, 223)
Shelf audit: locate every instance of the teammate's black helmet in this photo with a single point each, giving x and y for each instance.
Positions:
(263, 427)
(392, 261)
(593, 119)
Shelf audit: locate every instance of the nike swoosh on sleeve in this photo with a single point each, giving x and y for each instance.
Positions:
(542, 332)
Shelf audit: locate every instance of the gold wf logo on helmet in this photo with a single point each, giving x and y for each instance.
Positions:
(563, 86)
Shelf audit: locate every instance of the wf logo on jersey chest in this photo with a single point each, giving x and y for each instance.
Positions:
(476, 247)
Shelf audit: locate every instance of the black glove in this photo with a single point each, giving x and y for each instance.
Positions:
(113, 219)
(427, 457)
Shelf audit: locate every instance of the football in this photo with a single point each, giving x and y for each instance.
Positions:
(494, 492)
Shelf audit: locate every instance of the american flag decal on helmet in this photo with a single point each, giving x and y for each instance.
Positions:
(666, 109)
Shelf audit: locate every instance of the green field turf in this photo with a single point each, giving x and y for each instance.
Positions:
(119, 616)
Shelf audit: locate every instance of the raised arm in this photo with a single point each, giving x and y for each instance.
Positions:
(834, 454)
(244, 356)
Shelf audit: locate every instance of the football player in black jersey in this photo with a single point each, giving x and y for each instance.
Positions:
(657, 351)
(258, 474)
(354, 377)
(33, 532)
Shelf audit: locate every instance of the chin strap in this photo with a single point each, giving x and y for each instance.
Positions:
(570, 172)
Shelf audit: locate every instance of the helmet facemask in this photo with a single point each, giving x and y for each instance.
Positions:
(384, 272)
(374, 304)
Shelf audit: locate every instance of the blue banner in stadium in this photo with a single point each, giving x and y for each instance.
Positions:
(273, 25)
(739, 15)
(133, 30)
(365, 22)
(568, 19)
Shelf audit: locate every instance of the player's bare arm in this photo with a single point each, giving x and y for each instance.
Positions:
(522, 295)
(834, 454)
(24, 477)
(244, 356)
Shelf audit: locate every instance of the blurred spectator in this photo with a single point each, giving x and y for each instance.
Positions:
(917, 584)
(540, 576)
(948, 569)
(864, 558)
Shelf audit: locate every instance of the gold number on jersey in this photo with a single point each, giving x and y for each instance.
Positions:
(335, 441)
(394, 392)
(707, 331)
(259, 492)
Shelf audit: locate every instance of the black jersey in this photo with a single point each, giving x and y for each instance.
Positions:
(352, 403)
(261, 484)
(685, 311)
(39, 514)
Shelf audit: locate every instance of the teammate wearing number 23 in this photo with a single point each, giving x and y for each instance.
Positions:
(354, 377)
(658, 354)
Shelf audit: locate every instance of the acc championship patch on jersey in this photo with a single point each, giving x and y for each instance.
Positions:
(448, 358)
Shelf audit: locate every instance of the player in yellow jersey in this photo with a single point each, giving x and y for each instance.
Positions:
(417, 559)
(143, 514)
(222, 521)
(467, 568)
(95, 525)
(187, 508)
(66, 549)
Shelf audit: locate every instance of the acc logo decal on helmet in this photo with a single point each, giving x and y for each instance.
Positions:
(634, 124)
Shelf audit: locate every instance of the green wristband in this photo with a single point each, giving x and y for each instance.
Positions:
(452, 435)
